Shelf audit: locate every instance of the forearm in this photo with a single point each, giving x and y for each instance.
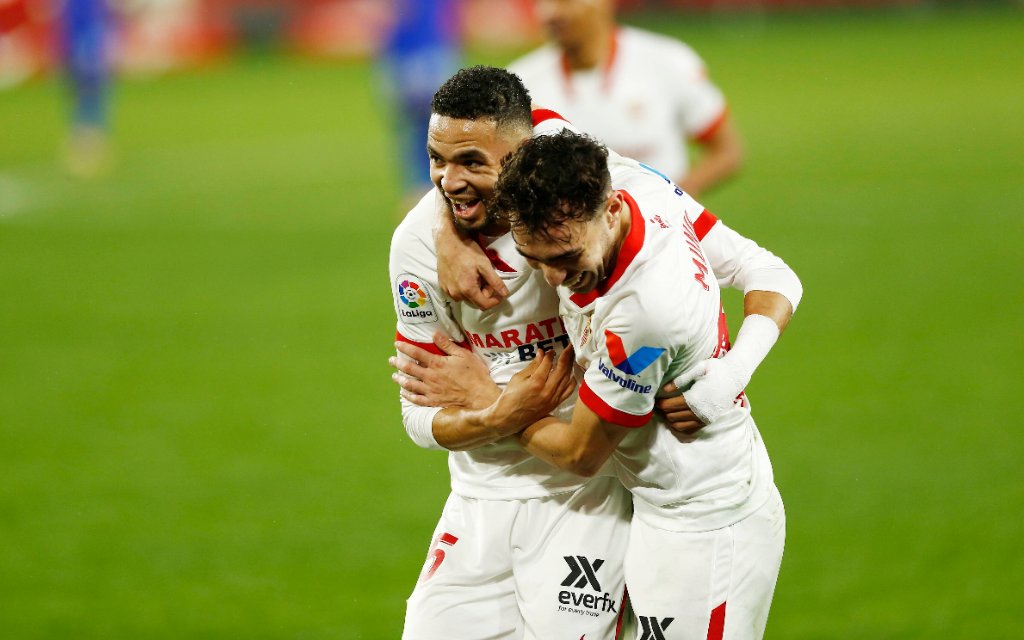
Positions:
(581, 451)
(719, 159)
(448, 428)
(741, 263)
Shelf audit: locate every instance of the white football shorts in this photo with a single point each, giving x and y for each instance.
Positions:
(525, 569)
(713, 585)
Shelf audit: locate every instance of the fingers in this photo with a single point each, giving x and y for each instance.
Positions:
(668, 405)
(416, 353)
(445, 344)
(482, 296)
(415, 398)
(493, 281)
(410, 384)
(686, 378)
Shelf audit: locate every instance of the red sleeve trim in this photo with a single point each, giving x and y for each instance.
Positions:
(543, 115)
(709, 131)
(610, 414)
(703, 224)
(427, 346)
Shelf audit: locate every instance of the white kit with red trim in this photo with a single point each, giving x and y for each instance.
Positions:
(651, 95)
(657, 315)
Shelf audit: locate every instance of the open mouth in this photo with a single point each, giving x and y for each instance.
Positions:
(465, 210)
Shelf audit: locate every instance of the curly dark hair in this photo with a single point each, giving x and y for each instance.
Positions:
(552, 179)
(485, 92)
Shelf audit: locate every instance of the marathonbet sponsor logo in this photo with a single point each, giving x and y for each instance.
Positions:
(414, 305)
(630, 365)
(583, 595)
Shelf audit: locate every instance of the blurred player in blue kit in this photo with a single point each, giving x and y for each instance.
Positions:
(85, 30)
(420, 52)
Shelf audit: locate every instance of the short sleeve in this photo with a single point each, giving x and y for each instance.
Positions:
(629, 363)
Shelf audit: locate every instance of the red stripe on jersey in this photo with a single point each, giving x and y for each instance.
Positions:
(716, 627)
(427, 346)
(492, 255)
(630, 247)
(543, 115)
(609, 413)
(709, 131)
(702, 225)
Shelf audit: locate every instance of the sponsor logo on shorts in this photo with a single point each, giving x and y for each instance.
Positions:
(654, 629)
(414, 302)
(581, 580)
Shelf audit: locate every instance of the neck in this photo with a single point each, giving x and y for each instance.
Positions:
(592, 51)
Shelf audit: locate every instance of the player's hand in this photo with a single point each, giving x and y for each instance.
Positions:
(459, 378)
(710, 390)
(534, 392)
(464, 272)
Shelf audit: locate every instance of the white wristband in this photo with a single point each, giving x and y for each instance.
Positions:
(756, 337)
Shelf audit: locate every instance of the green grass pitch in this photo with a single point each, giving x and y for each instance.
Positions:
(198, 433)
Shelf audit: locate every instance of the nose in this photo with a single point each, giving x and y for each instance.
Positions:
(451, 179)
(554, 276)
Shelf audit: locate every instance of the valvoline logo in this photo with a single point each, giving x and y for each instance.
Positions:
(412, 294)
(631, 364)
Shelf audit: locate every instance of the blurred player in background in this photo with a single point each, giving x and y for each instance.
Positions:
(644, 95)
(86, 27)
(421, 50)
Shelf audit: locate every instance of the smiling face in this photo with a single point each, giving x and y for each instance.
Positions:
(465, 161)
(576, 253)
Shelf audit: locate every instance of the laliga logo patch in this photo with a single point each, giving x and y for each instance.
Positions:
(416, 306)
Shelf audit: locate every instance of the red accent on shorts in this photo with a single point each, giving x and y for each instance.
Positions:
(608, 413)
(448, 539)
(716, 627)
(622, 612)
(702, 225)
(543, 115)
(428, 346)
(709, 131)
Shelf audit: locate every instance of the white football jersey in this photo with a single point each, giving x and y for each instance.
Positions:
(657, 315)
(507, 337)
(645, 101)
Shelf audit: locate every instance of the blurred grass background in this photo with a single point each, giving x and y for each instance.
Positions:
(198, 433)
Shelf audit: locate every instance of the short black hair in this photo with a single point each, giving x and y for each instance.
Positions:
(485, 92)
(552, 179)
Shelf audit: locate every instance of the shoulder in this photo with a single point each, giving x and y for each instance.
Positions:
(648, 46)
(412, 242)
(538, 60)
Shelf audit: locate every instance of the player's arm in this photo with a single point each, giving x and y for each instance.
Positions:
(772, 291)
(582, 446)
(463, 271)
(466, 408)
(719, 158)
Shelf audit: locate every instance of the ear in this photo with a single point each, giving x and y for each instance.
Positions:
(616, 208)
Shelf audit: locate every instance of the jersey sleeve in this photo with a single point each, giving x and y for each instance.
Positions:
(419, 307)
(741, 263)
(632, 357)
(699, 104)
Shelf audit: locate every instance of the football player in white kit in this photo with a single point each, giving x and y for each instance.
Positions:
(643, 94)
(522, 550)
(641, 305)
